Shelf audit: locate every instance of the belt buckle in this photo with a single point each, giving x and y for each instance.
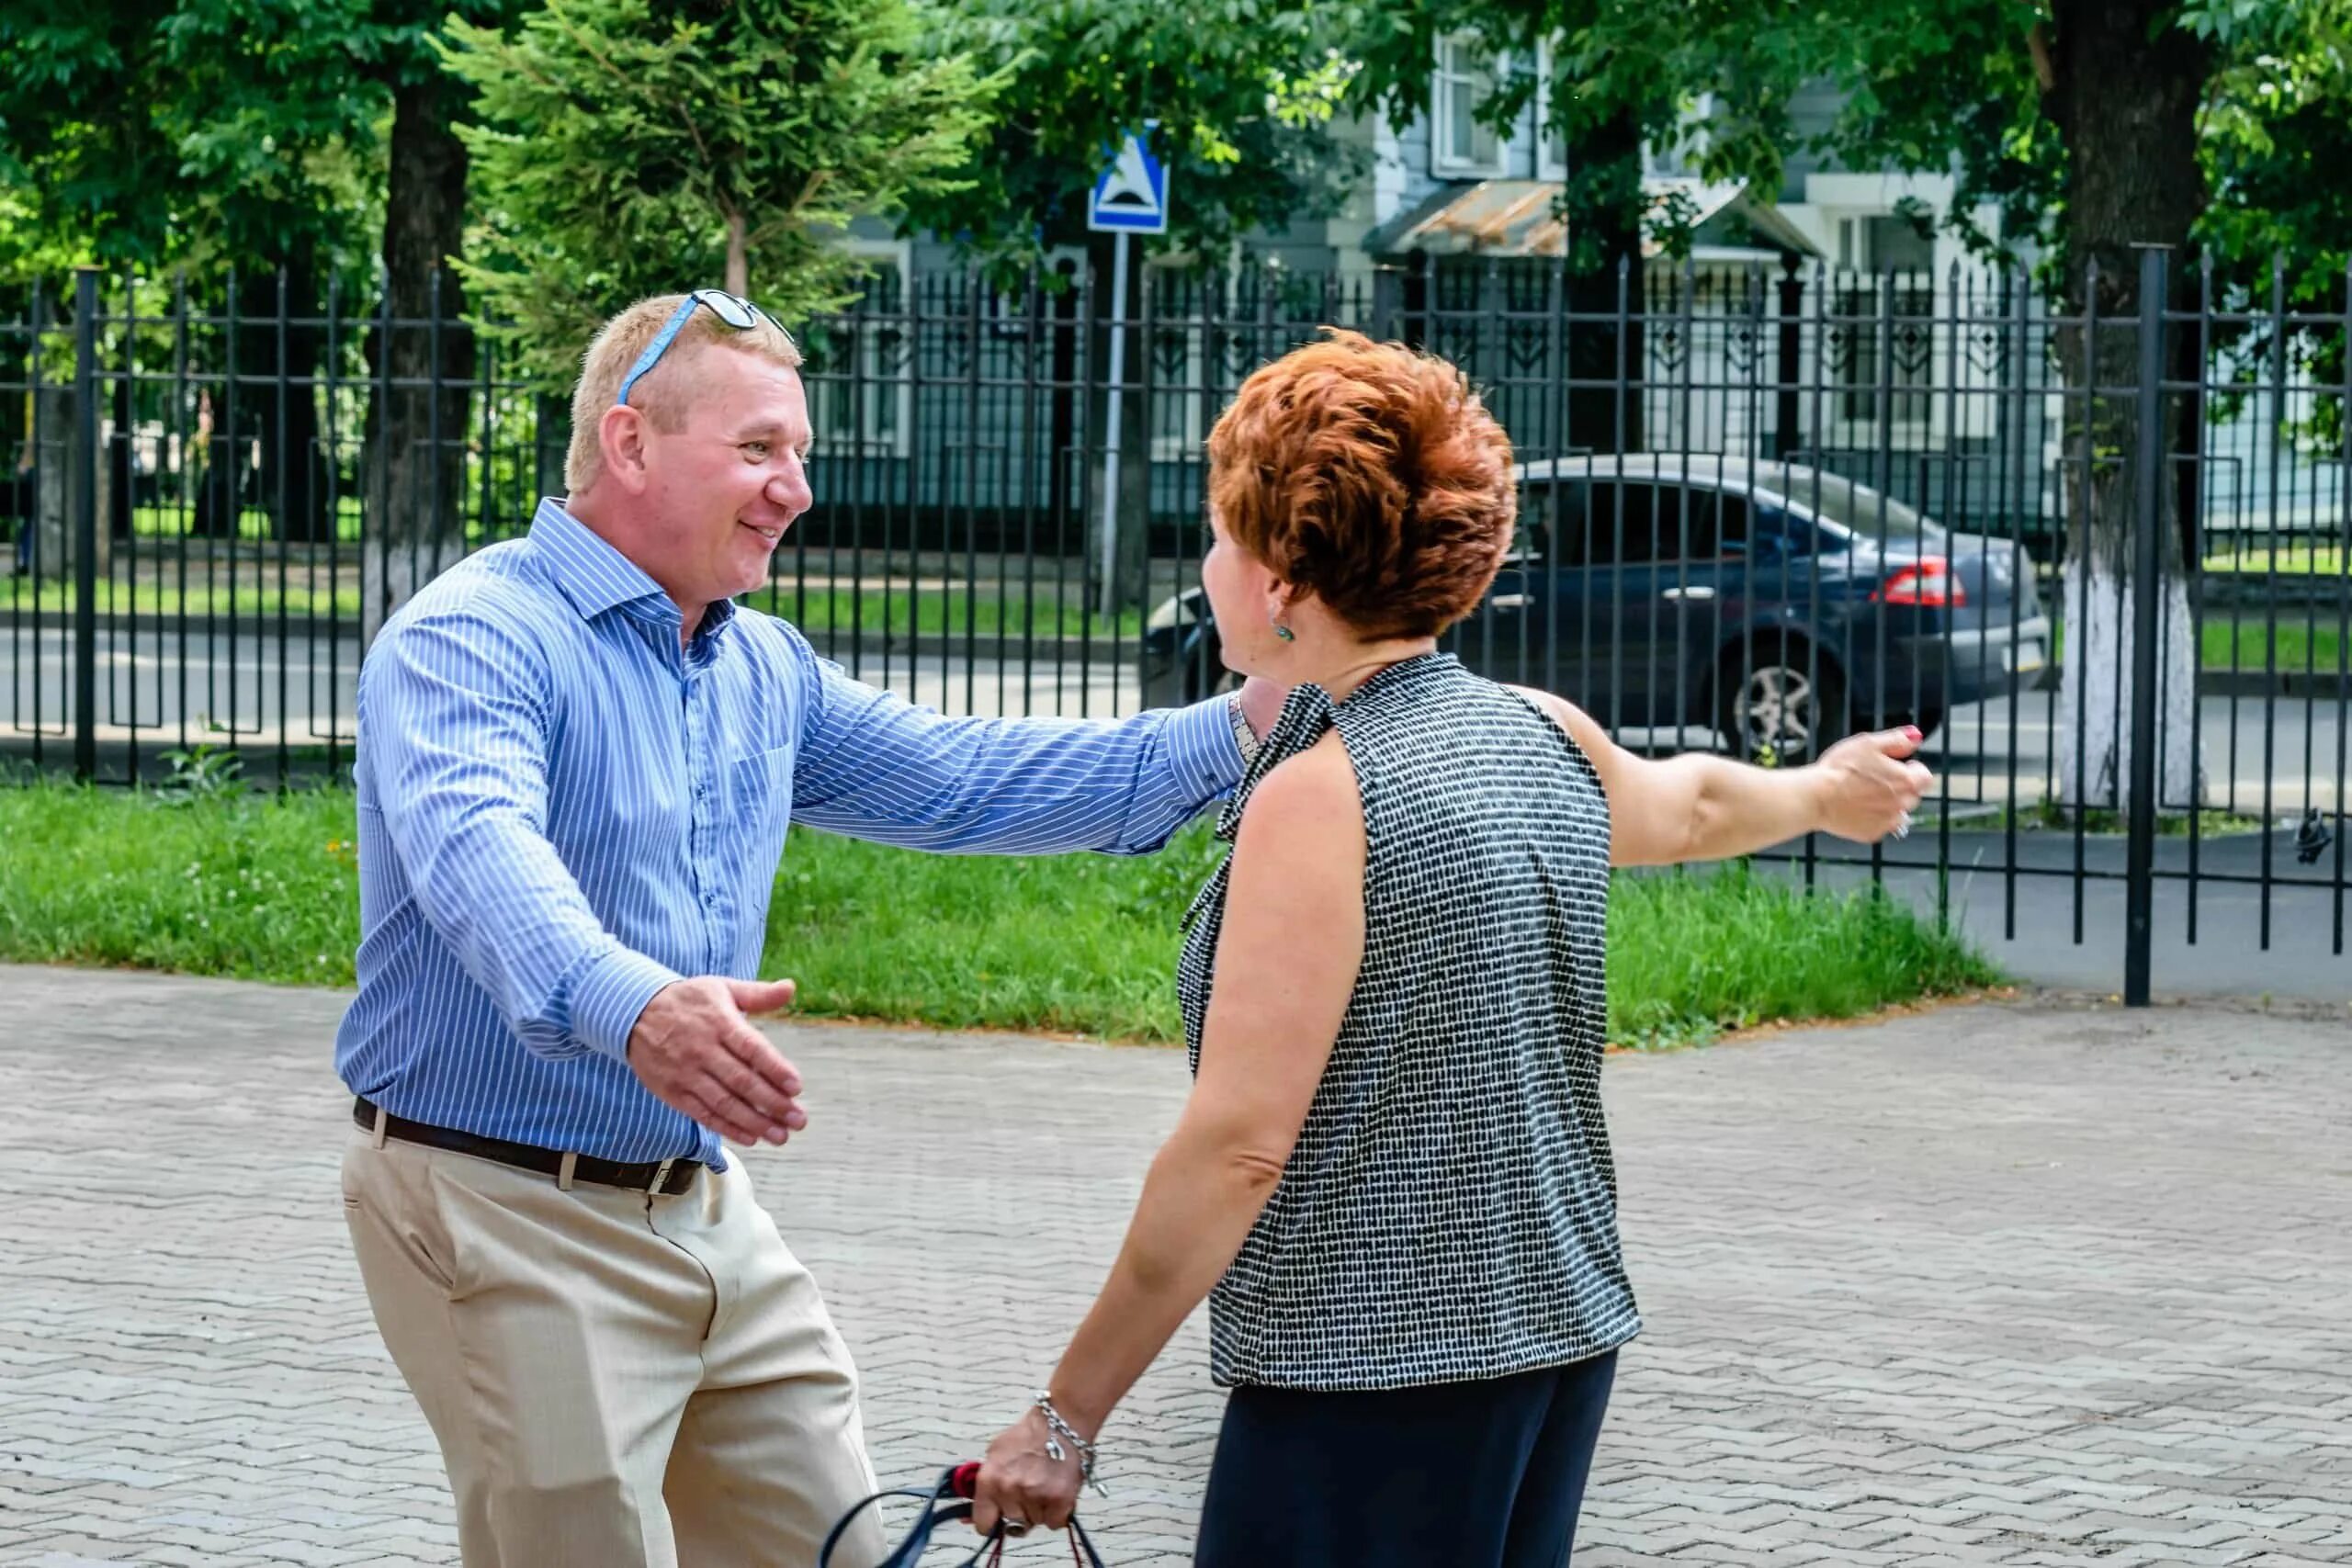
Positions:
(659, 1184)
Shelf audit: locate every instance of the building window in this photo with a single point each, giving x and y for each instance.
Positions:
(1461, 146)
(858, 368)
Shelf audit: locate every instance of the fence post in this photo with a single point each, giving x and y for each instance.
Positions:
(84, 488)
(2147, 521)
(1387, 302)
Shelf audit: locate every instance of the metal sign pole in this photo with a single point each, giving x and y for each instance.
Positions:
(1111, 436)
(1130, 198)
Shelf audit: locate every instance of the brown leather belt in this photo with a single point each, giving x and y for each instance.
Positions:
(668, 1177)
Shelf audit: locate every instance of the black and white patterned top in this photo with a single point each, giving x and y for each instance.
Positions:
(1449, 1212)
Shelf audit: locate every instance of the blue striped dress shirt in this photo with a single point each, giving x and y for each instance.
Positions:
(563, 809)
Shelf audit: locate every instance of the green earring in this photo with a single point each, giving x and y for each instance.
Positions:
(1284, 633)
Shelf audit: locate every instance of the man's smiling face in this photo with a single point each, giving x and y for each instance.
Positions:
(730, 480)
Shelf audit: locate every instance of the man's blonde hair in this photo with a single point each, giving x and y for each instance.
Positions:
(664, 392)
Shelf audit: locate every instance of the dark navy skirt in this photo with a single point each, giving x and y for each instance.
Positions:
(1486, 1475)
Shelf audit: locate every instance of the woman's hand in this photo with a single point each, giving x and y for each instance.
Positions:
(1021, 1485)
(1870, 785)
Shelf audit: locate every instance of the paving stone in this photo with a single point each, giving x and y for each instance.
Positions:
(2015, 1284)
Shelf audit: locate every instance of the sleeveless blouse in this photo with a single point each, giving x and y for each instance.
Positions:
(1449, 1212)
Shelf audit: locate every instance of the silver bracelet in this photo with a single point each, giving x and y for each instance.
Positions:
(1056, 1430)
(1243, 735)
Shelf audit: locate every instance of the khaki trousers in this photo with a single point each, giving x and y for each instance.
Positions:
(617, 1380)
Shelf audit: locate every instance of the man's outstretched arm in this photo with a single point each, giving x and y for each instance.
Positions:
(874, 766)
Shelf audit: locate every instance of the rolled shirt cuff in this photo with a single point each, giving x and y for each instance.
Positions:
(611, 995)
(1200, 742)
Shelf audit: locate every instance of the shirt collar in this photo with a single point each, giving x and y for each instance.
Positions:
(593, 576)
(596, 578)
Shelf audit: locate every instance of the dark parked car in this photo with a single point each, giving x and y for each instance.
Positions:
(1779, 606)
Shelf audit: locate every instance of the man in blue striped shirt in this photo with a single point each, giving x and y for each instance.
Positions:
(577, 762)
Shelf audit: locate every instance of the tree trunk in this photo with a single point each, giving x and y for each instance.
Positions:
(278, 407)
(739, 256)
(58, 478)
(1605, 277)
(60, 474)
(2123, 89)
(415, 490)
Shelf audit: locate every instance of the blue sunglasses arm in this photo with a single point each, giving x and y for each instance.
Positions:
(654, 350)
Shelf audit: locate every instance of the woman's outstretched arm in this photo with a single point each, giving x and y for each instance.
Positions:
(1287, 963)
(1701, 807)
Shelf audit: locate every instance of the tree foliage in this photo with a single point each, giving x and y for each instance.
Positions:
(1243, 93)
(188, 132)
(629, 147)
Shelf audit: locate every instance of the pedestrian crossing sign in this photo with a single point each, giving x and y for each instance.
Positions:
(1131, 195)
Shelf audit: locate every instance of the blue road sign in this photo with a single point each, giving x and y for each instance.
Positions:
(1131, 196)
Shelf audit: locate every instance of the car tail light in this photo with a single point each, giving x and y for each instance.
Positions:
(1927, 582)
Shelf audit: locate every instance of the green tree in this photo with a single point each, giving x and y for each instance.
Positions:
(1622, 76)
(2088, 126)
(1241, 92)
(143, 134)
(628, 147)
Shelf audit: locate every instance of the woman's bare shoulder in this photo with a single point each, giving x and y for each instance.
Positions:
(1312, 795)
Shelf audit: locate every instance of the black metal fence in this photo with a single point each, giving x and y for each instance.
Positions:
(1762, 505)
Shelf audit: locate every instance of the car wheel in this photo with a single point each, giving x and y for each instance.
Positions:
(1785, 707)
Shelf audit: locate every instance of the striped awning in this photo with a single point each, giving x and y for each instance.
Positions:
(1517, 218)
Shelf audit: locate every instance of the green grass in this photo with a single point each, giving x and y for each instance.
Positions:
(266, 888)
(1691, 955)
(311, 593)
(253, 595)
(2053, 816)
(2299, 560)
(2243, 643)
(254, 522)
(2238, 643)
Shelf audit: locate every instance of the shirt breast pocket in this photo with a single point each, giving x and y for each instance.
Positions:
(759, 801)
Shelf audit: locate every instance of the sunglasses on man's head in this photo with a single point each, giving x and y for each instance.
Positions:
(732, 309)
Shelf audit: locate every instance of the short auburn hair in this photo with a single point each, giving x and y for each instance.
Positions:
(1370, 475)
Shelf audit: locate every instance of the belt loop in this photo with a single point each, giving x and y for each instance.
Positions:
(661, 1184)
(563, 1171)
(383, 1125)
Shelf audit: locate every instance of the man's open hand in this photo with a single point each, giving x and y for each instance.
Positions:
(694, 1047)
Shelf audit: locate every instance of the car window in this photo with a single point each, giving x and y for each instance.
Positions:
(1869, 513)
(1686, 524)
(1745, 523)
(1620, 524)
(1732, 523)
(1603, 521)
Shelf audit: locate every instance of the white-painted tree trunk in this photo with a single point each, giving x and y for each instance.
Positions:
(2094, 736)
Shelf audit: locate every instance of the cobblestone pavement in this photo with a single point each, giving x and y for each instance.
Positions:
(2007, 1283)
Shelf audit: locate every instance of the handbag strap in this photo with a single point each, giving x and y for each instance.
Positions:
(947, 1502)
(841, 1526)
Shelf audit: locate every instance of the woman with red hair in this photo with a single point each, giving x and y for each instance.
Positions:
(1393, 1180)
